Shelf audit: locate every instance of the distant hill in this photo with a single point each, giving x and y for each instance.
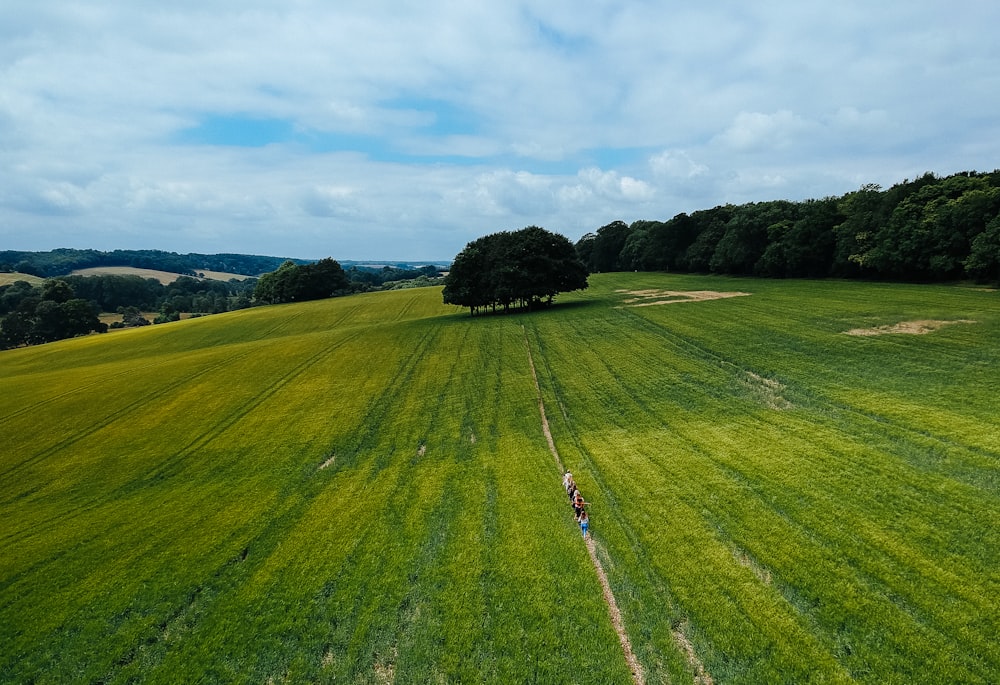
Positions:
(64, 261)
(164, 277)
(6, 278)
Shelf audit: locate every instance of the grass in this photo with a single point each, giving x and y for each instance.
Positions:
(359, 490)
(8, 277)
(164, 277)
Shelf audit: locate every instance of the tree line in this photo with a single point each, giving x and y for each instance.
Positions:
(62, 261)
(928, 229)
(68, 306)
(521, 269)
(39, 314)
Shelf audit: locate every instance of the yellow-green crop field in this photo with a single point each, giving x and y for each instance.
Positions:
(796, 483)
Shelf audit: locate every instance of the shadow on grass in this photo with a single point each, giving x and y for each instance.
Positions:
(523, 311)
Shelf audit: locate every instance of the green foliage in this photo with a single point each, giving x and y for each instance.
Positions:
(603, 249)
(983, 263)
(522, 269)
(32, 315)
(298, 283)
(358, 490)
(62, 261)
(921, 230)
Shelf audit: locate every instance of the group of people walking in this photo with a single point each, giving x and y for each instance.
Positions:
(577, 501)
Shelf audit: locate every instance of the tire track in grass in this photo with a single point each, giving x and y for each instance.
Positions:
(679, 625)
(638, 675)
(123, 411)
(171, 464)
(239, 352)
(864, 573)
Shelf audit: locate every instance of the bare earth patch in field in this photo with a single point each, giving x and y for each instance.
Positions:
(385, 670)
(647, 298)
(767, 390)
(920, 327)
(763, 575)
(701, 676)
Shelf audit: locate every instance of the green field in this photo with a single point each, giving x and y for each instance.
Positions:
(8, 277)
(359, 490)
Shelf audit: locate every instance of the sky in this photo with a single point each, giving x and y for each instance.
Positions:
(404, 130)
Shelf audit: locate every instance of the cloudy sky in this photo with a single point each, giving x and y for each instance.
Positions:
(403, 130)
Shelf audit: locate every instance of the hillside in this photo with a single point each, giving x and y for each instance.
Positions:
(788, 481)
(164, 277)
(8, 277)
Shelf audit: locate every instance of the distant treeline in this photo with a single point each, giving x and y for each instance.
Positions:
(109, 292)
(69, 305)
(928, 229)
(65, 307)
(65, 260)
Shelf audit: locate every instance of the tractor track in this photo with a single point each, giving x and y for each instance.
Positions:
(638, 675)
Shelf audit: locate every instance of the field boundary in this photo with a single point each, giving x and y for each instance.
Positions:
(638, 674)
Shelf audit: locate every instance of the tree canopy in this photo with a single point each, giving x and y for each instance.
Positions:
(30, 315)
(523, 269)
(928, 229)
(300, 282)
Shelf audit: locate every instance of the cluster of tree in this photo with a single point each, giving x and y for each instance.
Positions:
(293, 282)
(522, 269)
(65, 260)
(388, 277)
(928, 229)
(40, 314)
(186, 294)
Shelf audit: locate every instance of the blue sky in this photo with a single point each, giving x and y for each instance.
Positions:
(387, 130)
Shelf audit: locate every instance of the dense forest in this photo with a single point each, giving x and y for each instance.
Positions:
(929, 229)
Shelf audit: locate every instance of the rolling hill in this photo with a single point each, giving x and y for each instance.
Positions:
(360, 489)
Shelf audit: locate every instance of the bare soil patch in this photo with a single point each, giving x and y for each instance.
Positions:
(763, 575)
(385, 671)
(647, 298)
(767, 390)
(919, 327)
(701, 676)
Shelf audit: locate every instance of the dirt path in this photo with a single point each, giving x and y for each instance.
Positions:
(609, 598)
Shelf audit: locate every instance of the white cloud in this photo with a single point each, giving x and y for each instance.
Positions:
(612, 185)
(419, 127)
(676, 164)
(756, 131)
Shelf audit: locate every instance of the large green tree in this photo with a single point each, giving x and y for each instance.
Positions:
(523, 269)
(293, 282)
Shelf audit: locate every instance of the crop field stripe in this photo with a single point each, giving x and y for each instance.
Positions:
(101, 379)
(708, 496)
(635, 666)
(769, 497)
(638, 542)
(198, 441)
(821, 404)
(265, 394)
(669, 641)
(117, 415)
